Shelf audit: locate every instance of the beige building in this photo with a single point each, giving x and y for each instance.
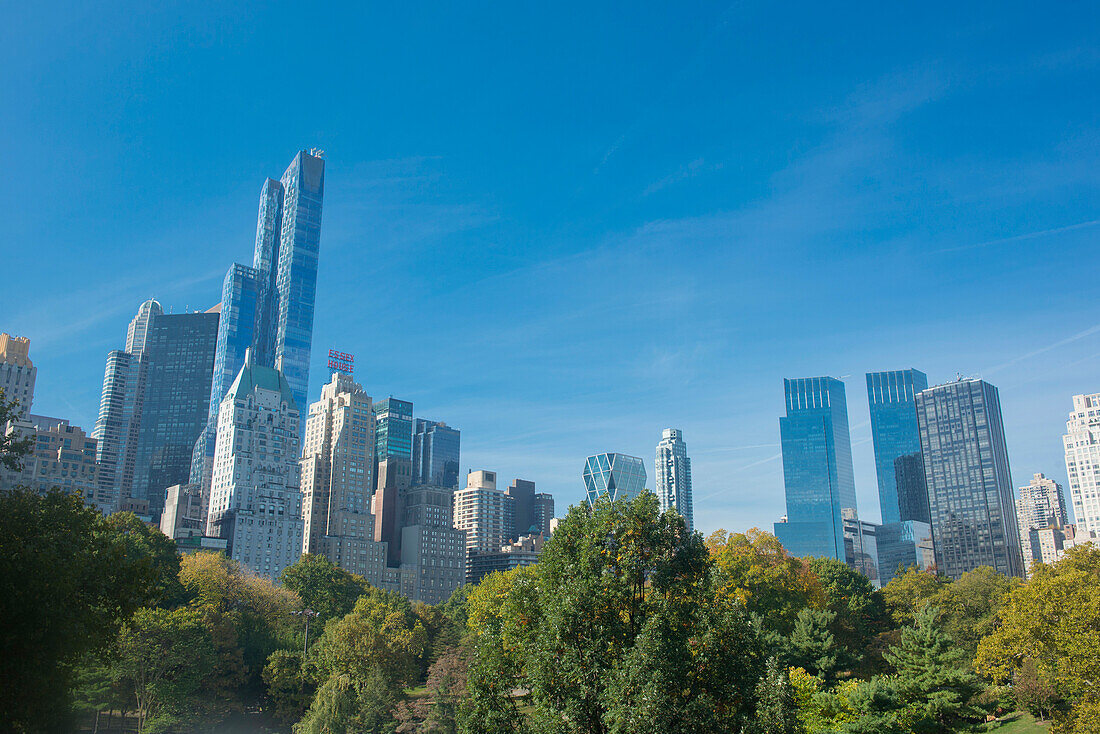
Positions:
(1040, 505)
(17, 372)
(63, 456)
(337, 478)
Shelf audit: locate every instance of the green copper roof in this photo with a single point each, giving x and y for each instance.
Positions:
(253, 375)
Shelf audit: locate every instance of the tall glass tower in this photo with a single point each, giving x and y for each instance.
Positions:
(970, 492)
(616, 476)
(435, 454)
(268, 307)
(892, 399)
(817, 468)
(673, 474)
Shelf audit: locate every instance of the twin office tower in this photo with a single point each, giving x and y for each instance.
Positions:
(943, 476)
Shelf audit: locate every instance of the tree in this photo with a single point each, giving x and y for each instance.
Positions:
(365, 660)
(65, 587)
(437, 712)
(291, 683)
(13, 446)
(933, 677)
(1033, 694)
(323, 586)
(162, 656)
(812, 646)
(907, 593)
(1054, 620)
(970, 605)
(776, 710)
(859, 608)
(151, 560)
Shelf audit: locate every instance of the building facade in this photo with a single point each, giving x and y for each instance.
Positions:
(436, 450)
(255, 498)
(672, 475)
(63, 456)
(970, 491)
(818, 477)
(901, 488)
(433, 551)
(17, 372)
(544, 513)
(1082, 447)
(902, 545)
(614, 476)
(1040, 506)
(486, 514)
(338, 478)
(524, 551)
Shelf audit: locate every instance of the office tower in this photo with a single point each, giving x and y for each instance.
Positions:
(817, 468)
(268, 308)
(338, 479)
(544, 513)
(524, 522)
(393, 429)
(892, 400)
(672, 475)
(17, 372)
(485, 513)
(154, 403)
(433, 551)
(616, 476)
(255, 500)
(902, 545)
(1082, 445)
(970, 491)
(861, 546)
(62, 456)
(435, 454)
(1041, 505)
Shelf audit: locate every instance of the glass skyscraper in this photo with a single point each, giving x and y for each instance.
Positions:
(818, 477)
(673, 475)
(435, 454)
(616, 476)
(393, 429)
(970, 490)
(892, 399)
(268, 307)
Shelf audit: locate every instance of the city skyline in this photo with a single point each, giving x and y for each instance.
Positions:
(544, 248)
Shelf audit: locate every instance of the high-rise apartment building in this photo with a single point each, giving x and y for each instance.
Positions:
(1082, 446)
(1040, 506)
(615, 476)
(970, 491)
(338, 479)
(544, 513)
(435, 454)
(433, 551)
(818, 477)
(672, 475)
(154, 403)
(255, 499)
(17, 372)
(522, 493)
(62, 456)
(268, 308)
(900, 468)
(485, 513)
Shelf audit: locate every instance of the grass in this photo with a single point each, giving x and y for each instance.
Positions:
(1016, 723)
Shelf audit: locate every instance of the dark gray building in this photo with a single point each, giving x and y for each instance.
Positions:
(892, 400)
(435, 454)
(970, 490)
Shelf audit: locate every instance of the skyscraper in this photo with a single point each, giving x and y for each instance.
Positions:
(615, 476)
(484, 512)
(970, 492)
(892, 399)
(154, 403)
(818, 477)
(17, 372)
(1082, 445)
(1041, 505)
(268, 307)
(338, 479)
(393, 429)
(543, 512)
(433, 551)
(435, 454)
(255, 500)
(672, 475)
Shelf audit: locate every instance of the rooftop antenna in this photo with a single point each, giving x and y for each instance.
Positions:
(317, 152)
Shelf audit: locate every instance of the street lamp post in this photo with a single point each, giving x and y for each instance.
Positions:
(307, 613)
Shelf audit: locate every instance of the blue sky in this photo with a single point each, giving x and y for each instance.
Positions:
(562, 228)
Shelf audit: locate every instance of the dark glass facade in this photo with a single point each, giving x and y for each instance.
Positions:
(435, 454)
(970, 492)
(818, 477)
(892, 400)
(393, 429)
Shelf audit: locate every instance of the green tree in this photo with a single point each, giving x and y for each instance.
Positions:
(971, 604)
(812, 646)
(934, 680)
(907, 593)
(859, 608)
(291, 683)
(1054, 620)
(65, 587)
(437, 712)
(776, 708)
(150, 557)
(162, 657)
(366, 660)
(323, 586)
(878, 709)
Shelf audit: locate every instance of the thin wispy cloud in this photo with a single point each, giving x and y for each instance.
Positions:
(1043, 350)
(1021, 237)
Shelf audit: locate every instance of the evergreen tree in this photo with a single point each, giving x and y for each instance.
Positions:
(776, 710)
(812, 645)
